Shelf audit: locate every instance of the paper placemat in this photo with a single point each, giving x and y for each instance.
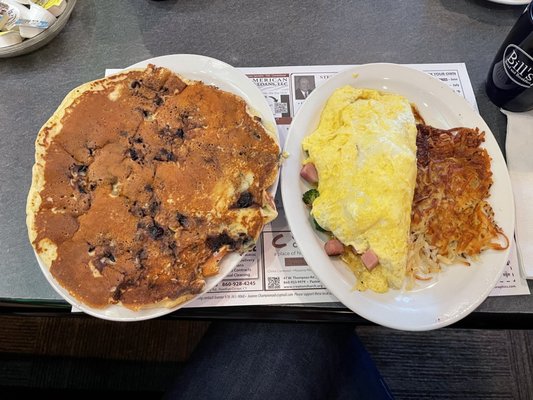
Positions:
(276, 272)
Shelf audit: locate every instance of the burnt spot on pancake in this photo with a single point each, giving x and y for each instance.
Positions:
(245, 200)
(135, 84)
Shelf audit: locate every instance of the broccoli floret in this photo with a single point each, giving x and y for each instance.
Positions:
(310, 196)
(318, 227)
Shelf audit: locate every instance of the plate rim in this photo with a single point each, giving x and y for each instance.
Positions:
(230, 260)
(511, 2)
(293, 221)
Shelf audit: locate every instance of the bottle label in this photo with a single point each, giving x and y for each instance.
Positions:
(518, 66)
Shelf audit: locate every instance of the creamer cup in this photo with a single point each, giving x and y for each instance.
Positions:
(9, 38)
(37, 13)
(56, 7)
(16, 13)
(3, 16)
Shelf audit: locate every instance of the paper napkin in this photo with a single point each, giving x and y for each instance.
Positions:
(519, 151)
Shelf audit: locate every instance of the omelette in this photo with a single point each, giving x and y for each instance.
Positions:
(364, 152)
(143, 181)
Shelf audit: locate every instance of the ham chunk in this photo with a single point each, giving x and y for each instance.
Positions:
(309, 173)
(334, 247)
(370, 259)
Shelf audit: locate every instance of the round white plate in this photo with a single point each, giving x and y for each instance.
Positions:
(512, 2)
(225, 77)
(456, 291)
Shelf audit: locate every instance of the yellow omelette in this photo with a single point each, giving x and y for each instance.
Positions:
(364, 150)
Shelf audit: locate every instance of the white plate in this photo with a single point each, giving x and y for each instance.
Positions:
(512, 2)
(225, 77)
(456, 291)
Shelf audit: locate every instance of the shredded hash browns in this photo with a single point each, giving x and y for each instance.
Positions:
(451, 220)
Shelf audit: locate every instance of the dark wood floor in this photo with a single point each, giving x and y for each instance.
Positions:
(454, 363)
(80, 355)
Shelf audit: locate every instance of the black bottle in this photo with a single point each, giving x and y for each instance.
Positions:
(510, 80)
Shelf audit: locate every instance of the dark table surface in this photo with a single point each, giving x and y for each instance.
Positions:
(249, 33)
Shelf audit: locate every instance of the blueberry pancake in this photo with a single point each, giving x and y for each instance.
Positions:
(142, 182)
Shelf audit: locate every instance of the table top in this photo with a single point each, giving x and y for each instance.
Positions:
(254, 33)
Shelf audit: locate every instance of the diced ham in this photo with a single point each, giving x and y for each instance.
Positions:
(309, 173)
(334, 247)
(370, 259)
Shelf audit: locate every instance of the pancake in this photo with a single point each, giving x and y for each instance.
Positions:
(142, 182)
